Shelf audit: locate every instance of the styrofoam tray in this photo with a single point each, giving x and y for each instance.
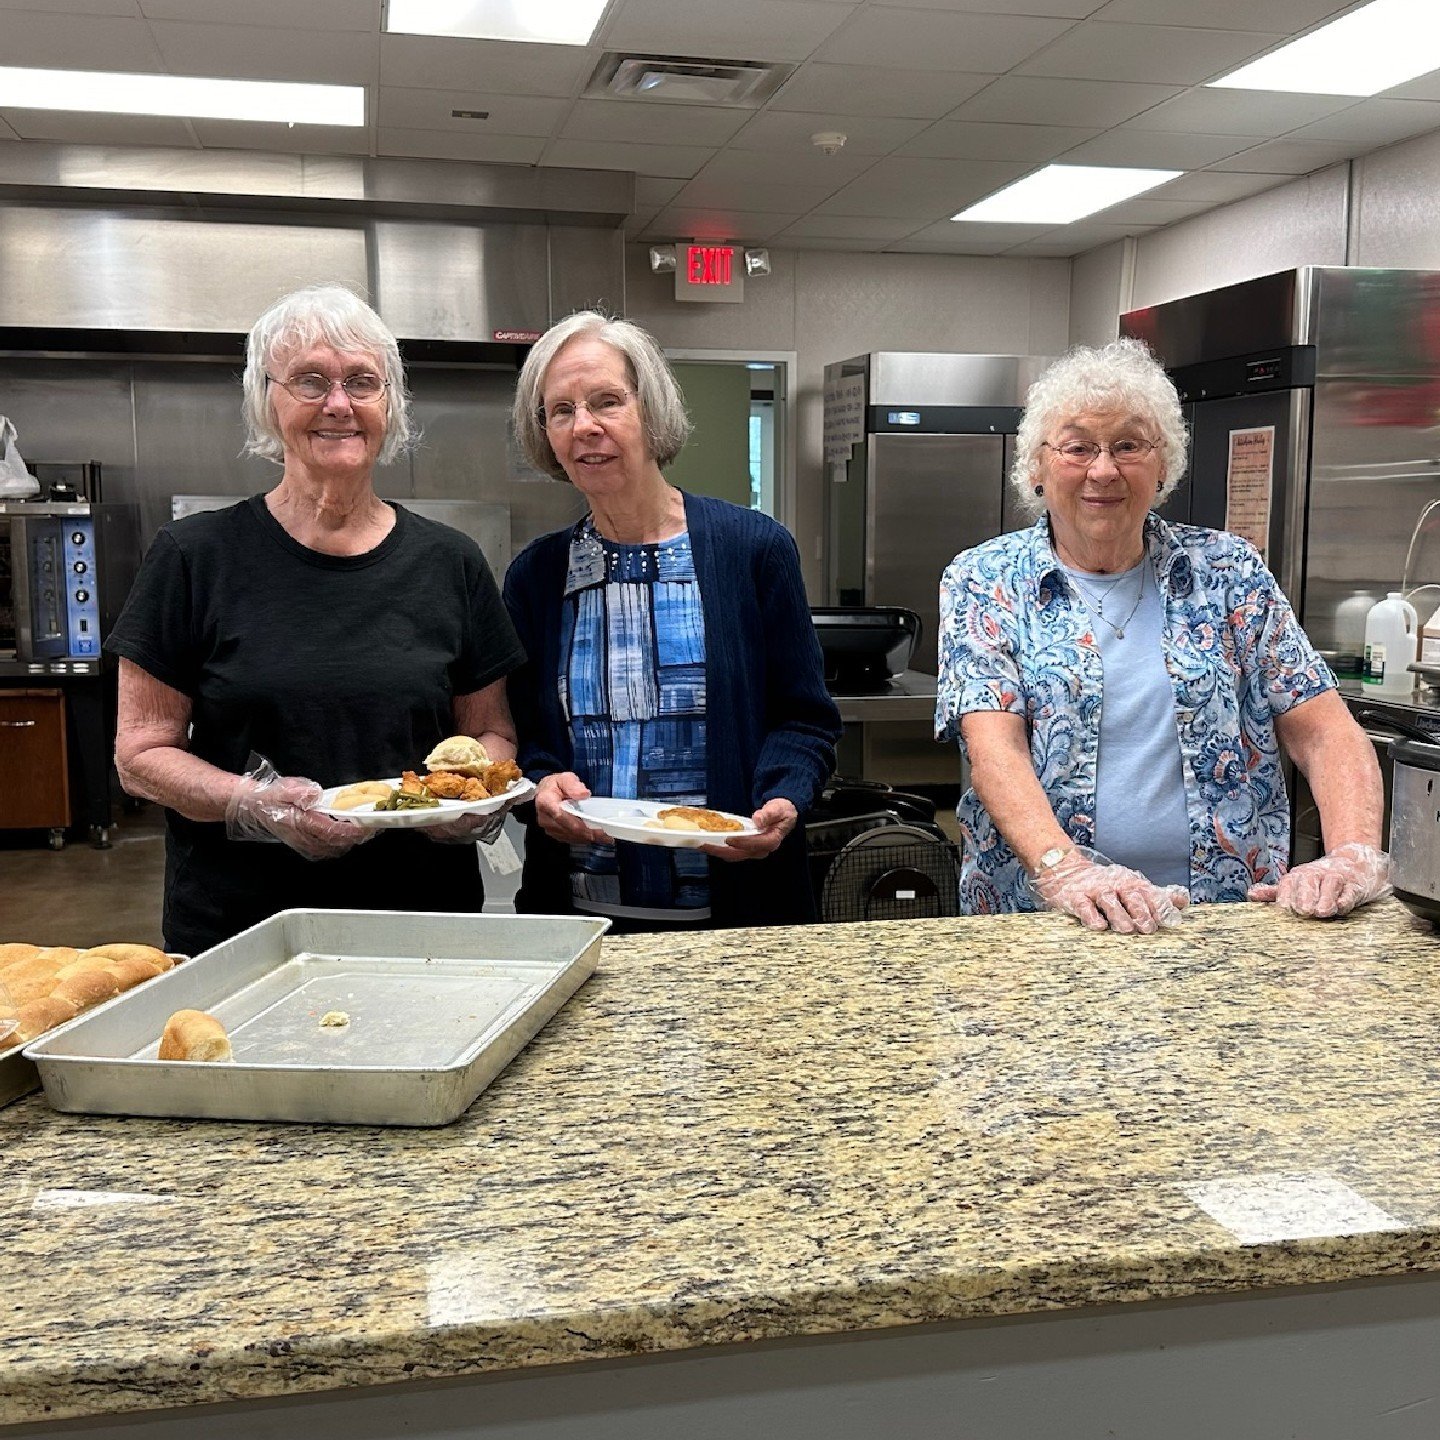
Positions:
(437, 1006)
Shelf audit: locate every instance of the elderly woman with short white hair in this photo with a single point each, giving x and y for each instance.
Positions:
(672, 656)
(1123, 686)
(306, 637)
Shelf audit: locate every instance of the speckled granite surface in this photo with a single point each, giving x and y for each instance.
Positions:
(761, 1134)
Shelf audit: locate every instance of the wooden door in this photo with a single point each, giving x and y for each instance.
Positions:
(34, 774)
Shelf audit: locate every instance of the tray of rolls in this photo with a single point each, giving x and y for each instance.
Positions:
(43, 986)
(348, 1017)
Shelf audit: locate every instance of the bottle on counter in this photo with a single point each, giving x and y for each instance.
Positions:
(1391, 631)
(1430, 640)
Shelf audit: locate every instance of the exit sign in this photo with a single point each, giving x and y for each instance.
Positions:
(709, 273)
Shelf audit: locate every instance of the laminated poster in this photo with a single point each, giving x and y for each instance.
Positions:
(844, 419)
(1248, 480)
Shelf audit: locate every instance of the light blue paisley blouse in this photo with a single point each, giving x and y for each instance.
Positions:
(1014, 637)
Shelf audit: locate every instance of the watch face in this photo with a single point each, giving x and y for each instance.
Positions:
(1051, 858)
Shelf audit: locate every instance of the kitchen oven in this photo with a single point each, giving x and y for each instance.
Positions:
(65, 570)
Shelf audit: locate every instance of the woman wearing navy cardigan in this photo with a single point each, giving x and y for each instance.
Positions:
(672, 656)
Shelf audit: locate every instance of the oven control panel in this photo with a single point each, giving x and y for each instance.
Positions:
(82, 604)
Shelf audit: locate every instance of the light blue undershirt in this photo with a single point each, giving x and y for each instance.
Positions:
(1140, 815)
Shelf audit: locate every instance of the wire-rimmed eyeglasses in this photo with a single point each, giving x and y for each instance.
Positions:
(364, 387)
(1082, 454)
(602, 405)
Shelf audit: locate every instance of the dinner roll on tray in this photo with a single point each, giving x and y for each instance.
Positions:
(44, 986)
(194, 1035)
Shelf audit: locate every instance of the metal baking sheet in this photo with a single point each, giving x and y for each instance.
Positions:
(18, 1076)
(438, 1005)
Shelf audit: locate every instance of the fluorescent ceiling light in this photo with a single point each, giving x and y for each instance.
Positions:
(191, 96)
(548, 22)
(1059, 194)
(1382, 44)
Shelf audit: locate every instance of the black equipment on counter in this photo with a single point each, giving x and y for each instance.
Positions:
(1414, 812)
(864, 645)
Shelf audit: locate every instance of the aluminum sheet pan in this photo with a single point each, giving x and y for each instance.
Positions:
(438, 1005)
(18, 1076)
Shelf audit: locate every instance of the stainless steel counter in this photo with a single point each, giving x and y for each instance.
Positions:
(890, 735)
(907, 696)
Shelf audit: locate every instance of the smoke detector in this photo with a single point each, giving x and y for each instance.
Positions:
(829, 141)
(687, 80)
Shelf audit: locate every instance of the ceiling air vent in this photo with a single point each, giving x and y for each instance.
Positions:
(686, 80)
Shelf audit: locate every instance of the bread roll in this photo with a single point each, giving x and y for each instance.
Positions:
(41, 1015)
(11, 953)
(59, 955)
(87, 988)
(148, 953)
(129, 972)
(462, 753)
(194, 1035)
(28, 980)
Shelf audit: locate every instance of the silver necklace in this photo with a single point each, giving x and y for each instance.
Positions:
(1097, 607)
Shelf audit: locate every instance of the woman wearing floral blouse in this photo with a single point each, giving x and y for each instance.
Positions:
(1123, 686)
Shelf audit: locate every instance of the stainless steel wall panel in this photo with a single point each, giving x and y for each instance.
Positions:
(461, 282)
(587, 270)
(916, 378)
(132, 270)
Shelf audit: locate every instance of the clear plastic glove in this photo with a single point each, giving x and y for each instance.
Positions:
(1331, 886)
(467, 830)
(268, 806)
(1105, 896)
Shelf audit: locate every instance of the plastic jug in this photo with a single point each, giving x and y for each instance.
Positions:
(1391, 630)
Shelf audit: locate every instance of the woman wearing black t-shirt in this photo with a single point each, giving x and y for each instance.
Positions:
(335, 634)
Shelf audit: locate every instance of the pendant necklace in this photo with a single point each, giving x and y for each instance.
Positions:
(1097, 607)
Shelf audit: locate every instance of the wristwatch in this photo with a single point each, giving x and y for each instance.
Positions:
(1050, 859)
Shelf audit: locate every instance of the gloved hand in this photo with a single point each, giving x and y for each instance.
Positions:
(1331, 886)
(467, 830)
(1102, 895)
(268, 806)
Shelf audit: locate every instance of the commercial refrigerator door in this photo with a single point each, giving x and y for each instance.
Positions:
(1288, 413)
(928, 497)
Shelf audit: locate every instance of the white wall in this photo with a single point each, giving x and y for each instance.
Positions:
(831, 305)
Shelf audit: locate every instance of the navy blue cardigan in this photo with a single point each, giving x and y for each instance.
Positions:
(771, 726)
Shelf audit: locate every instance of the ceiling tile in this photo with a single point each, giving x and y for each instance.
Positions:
(129, 8)
(737, 29)
(403, 107)
(77, 42)
(1028, 100)
(792, 130)
(1273, 16)
(1216, 186)
(1073, 9)
(288, 139)
(924, 189)
(1144, 211)
(427, 61)
(1161, 54)
(940, 40)
(822, 242)
(448, 145)
(258, 52)
(963, 237)
(683, 160)
(1075, 239)
(1158, 149)
(744, 227)
(6, 132)
(737, 192)
(972, 140)
(805, 169)
(66, 128)
(847, 227)
(1240, 112)
(653, 122)
(1289, 157)
(1424, 87)
(312, 15)
(866, 90)
(654, 191)
(1375, 122)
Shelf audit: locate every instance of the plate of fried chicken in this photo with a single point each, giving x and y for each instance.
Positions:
(459, 779)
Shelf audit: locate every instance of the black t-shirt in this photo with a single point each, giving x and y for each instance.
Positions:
(336, 668)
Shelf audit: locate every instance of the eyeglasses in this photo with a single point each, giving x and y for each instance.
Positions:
(1082, 454)
(363, 387)
(602, 404)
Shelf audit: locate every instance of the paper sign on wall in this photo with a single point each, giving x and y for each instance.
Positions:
(844, 416)
(1248, 483)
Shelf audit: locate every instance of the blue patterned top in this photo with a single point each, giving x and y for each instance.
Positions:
(632, 689)
(1015, 637)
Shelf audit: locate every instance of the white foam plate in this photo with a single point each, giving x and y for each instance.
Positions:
(625, 820)
(441, 814)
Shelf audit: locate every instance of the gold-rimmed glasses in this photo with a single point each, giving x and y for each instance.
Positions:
(364, 387)
(1082, 454)
(602, 404)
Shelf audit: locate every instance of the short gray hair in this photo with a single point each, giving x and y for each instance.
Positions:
(662, 407)
(1123, 376)
(320, 315)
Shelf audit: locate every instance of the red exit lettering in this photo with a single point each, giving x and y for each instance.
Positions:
(710, 264)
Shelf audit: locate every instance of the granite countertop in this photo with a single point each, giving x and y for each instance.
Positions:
(745, 1135)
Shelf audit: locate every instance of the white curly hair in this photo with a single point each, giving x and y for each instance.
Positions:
(1122, 376)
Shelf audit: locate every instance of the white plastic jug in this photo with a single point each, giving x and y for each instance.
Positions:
(1390, 638)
